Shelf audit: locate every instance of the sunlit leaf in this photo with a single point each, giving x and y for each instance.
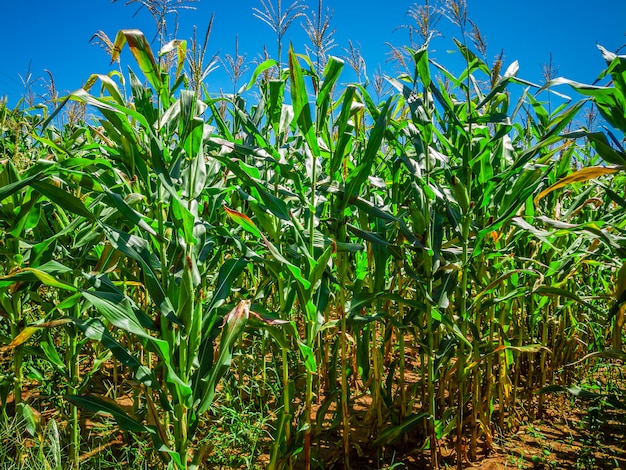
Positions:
(579, 176)
(243, 221)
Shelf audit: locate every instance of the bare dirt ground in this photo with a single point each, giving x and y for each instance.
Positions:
(567, 436)
(571, 434)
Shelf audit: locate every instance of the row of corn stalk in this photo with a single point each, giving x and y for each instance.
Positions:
(433, 252)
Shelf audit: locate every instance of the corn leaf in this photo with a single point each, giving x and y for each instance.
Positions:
(579, 176)
(393, 433)
(234, 324)
(300, 103)
(95, 330)
(243, 221)
(102, 405)
(140, 48)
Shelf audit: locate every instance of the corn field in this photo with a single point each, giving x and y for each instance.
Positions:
(423, 267)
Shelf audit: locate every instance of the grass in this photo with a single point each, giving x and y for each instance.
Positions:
(20, 450)
(237, 436)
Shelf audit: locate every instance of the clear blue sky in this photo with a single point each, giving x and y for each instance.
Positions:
(54, 35)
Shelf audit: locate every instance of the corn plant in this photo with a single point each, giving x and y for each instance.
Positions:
(154, 213)
(610, 102)
(428, 250)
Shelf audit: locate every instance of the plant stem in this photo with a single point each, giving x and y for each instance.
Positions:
(74, 372)
(345, 416)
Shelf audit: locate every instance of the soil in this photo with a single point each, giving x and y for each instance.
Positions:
(563, 438)
(568, 435)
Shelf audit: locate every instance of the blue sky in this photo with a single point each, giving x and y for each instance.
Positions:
(55, 35)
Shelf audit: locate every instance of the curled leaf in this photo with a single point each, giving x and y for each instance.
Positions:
(578, 177)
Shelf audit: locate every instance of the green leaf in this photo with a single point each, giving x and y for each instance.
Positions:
(51, 353)
(31, 420)
(322, 264)
(12, 188)
(140, 48)
(234, 324)
(295, 270)
(101, 405)
(128, 212)
(300, 103)
(262, 67)
(333, 69)
(393, 433)
(584, 394)
(556, 291)
(118, 310)
(356, 178)
(95, 330)
(605, 150)
(308, 356)
(138, 249)
(185, 220)
(344, 127)
(229, 271)
(64, 199)
(108, 84)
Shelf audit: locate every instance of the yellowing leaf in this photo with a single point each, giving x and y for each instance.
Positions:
(243, 221)
(50, 280)
(140, 49)
(578, 177)
(528, 348)
(54, 323)
(29, 331)
(23, 336)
